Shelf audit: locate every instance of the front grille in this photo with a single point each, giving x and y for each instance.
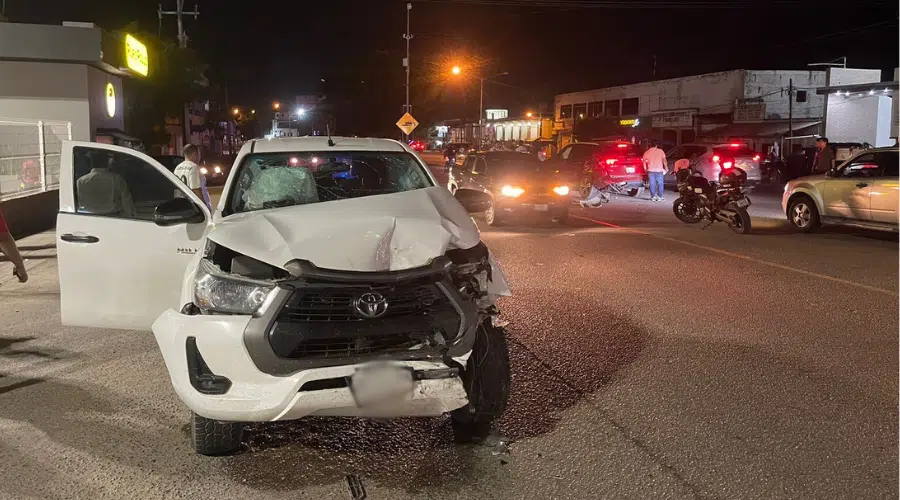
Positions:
(336, 303)
(321, 321)
(358, 346)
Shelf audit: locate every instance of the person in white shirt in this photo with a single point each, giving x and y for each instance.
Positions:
(657, 166)
(102, 191)
(189, 173)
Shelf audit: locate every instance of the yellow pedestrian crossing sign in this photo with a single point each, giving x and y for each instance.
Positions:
(407, 123)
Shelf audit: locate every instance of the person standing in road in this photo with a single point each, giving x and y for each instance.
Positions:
(11, 251)
(824, 157)
(655, 161)
(189, 173)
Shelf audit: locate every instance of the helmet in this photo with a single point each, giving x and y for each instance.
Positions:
(732, 177)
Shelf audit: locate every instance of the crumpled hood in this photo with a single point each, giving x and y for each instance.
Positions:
(373, 233)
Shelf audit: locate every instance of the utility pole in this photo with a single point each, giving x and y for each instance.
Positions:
(791, 107)
(407, 108)
(182, 42)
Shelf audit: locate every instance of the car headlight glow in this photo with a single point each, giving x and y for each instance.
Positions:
(203, 170)
(561, 190)
(511, 191)
(218, 169)
(218, 291)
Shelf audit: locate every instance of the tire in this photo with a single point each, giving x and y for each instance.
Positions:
(212, 437)
(682, 211)
(487, 381)
(742, 223)
(803, 214)
(492, 217)
(634, 193)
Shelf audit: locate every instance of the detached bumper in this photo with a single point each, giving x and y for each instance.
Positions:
(254, 396)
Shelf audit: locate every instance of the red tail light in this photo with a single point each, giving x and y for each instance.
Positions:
(622, 145)
(611, 161)
(727, 164)
(735, 145)
(716, 158)
(756, 158)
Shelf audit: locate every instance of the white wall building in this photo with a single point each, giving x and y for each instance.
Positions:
(57, 83)
(860, 107)
(683, 109)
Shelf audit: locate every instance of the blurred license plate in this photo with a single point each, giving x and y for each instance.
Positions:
(541, 208)
(743, 202)
(629, 170)
(381, 384)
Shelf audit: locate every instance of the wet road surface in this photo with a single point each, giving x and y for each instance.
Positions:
(650, 360)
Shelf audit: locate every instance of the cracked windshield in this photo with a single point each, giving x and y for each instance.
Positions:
(449, 249)
(283, 180)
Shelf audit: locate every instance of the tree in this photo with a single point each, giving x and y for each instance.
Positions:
(176, 76)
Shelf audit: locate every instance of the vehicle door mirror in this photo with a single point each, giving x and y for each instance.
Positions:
(177, 211)
(473, 201)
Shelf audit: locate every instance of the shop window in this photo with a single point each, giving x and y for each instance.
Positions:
(612, 108)
(580, 111)
(595, 109)
(565, 111)
(631, 107)
(801, 96)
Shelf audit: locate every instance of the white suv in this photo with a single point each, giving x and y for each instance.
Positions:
(862, 192)
(335, 277)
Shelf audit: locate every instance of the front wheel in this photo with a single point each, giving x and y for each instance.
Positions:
(687, 211)
(803, 214)
(487, 381)
(491, 216)
(212, 437)
(740, 222)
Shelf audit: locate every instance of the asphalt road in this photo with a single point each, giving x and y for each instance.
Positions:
(651, 359)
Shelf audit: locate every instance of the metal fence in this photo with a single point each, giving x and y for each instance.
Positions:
(30, 154)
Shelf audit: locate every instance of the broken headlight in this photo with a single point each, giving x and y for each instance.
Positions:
(218, 291)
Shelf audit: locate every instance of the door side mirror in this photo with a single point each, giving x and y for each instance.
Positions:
(177, 211)
(473, 201)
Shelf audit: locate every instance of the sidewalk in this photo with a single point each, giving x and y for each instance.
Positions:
(37, 250)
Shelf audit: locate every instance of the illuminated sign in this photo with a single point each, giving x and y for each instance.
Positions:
(110, 100)
(136, 57)
(631, 122)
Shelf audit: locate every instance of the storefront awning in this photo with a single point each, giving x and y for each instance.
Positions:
(762, 129)
(874, 88)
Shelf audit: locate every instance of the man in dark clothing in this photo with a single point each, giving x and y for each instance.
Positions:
(824, 157)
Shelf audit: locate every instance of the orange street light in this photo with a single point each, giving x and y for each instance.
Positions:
(235, 111)
(455, 70)
(529, 114)
(276, 105)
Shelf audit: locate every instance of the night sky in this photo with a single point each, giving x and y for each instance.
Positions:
(273, 50)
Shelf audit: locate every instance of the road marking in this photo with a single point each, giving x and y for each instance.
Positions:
(745, 257)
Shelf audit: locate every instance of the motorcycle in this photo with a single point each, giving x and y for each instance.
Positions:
(725, 201)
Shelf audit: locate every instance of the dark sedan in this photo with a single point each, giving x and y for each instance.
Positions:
(520, 186)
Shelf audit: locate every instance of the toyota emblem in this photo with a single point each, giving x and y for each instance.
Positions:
(370, 305)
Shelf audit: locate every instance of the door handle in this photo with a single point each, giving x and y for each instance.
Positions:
(71, 238)
(861, 184)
